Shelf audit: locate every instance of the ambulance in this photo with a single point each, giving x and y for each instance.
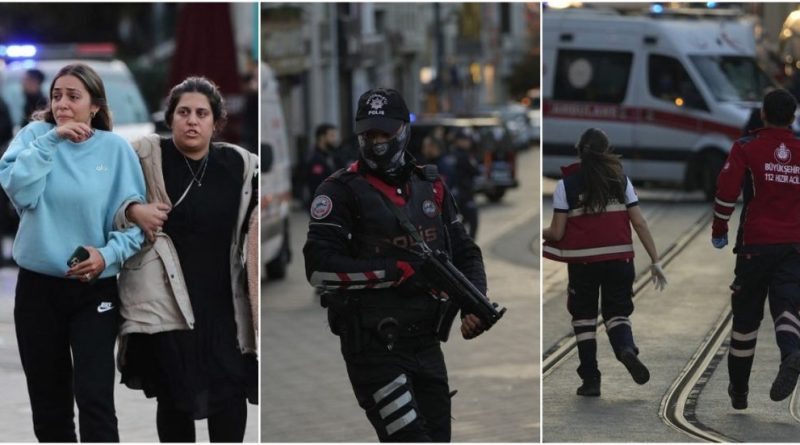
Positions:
(673, 91)
(276, 181)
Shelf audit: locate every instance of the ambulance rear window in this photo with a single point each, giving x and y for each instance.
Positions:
(592, 76)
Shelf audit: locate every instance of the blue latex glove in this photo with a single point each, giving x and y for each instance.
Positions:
(720, 242)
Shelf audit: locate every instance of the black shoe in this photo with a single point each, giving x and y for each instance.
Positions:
(590, 388)
(637, 369)
(738, 399)
(786, 379)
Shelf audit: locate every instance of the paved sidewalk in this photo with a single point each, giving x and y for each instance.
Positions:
(136, 413)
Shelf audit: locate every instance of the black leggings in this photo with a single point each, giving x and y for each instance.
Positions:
(225, 425)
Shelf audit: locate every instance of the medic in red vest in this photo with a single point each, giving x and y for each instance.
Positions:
(766, 164)
(594, 206)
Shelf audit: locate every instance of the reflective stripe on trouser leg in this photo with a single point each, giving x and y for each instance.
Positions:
(787, 333)
(620, 334)
(395, 408)
(740, 356)
(585, 336)
(743, 344)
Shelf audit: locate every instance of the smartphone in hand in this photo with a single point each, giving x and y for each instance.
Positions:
(80, 254)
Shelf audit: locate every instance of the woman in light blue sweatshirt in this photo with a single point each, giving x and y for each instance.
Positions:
(67, 175)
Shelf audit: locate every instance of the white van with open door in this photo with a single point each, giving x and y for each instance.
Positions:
(672, 91)
(276, 181)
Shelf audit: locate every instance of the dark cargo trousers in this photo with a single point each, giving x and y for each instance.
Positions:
(404, 391)
(613, 280)
(776, 276)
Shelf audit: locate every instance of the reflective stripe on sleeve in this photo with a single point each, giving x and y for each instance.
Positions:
(349, 280)
(724, 203)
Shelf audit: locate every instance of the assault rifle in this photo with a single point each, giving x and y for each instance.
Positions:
(440, 272)
(442, 275)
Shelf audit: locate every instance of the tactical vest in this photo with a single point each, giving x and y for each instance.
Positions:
(376, 230)
(590, 238)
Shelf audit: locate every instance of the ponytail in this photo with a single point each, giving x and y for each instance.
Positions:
(601, 170)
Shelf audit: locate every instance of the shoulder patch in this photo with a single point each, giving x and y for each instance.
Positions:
(744, 140)
(429, 172)
(321, 207)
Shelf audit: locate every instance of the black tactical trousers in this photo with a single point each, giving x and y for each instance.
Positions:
(404, 391)
(586, 282)
(775, 275)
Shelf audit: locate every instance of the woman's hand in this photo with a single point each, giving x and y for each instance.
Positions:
(149, 217)
(658, 276)
(88, 269)
(74, 131)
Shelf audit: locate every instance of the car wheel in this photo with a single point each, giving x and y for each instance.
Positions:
(276, 269)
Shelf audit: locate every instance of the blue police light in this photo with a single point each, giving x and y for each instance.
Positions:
(711, 4)
(657, 8)
(412, 117)
(20, 51)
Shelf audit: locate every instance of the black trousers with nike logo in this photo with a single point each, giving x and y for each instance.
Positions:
(66, 331)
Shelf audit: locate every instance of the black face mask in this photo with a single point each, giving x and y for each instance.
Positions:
(387, 158)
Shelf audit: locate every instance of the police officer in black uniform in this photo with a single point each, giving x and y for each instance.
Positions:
(358, 251)
(463, 182)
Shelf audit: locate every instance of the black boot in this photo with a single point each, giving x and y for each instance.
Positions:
(590, 387)
(786, 379)
(637, 369)
(738, 398)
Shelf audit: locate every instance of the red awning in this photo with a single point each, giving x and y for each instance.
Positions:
(204, 46)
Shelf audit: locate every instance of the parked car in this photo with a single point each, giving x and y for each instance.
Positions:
(495, 151)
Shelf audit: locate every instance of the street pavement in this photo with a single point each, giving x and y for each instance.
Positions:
(669, 327)
(135, 413)
(305, 390)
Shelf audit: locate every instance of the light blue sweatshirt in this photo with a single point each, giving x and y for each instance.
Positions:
(67, 195)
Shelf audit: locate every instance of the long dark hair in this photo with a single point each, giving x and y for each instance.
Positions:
(94, 85)
(601, 171)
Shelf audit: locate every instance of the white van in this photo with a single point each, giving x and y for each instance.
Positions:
(276, 181)
(672, 92)
(130, 116)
